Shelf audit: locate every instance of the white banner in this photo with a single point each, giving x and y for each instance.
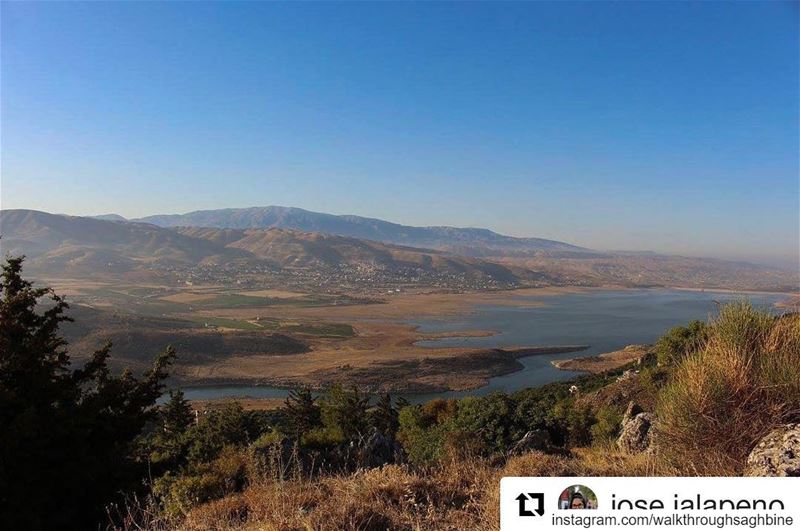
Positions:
(528, 503)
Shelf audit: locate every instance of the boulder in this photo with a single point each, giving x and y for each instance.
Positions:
(631, 411)
(636, 435)
(777, 454)
(378, 450)
(535, 440)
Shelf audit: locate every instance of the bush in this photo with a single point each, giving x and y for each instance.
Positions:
(178, 493)
(722, 399)
(680, 341)
(607, 427)
(420, 434)
(484, 423)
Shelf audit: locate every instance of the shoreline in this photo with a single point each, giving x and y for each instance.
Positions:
(464, 371)
(607, 361)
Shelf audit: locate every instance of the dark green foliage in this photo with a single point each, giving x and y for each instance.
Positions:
(176, 415)
(607, 427)
(484, 423)
(421, 436)
(169, 443)
(302, 412)
(66, 444)
(344, 412)
(229, 426)
(681, 341)
(383, 416)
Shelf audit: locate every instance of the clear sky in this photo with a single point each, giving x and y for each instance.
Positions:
(630, 125)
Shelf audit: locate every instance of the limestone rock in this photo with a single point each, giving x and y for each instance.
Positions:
(532, 441)
(777, 454)
(636, 434)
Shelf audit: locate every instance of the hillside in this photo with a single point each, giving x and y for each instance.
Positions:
(78, 245)
(292, 248)
(66, 245)
(463, 241)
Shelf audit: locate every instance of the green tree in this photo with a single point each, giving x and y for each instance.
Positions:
(229, 426)
(170, 442)
(383, 417)
(66, 444)
(345, 411)
(302, 412)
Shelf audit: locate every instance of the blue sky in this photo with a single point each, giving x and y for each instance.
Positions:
(631, 125)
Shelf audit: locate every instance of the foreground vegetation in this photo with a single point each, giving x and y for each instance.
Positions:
(346, 460)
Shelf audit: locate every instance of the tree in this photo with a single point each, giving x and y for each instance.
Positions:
(67, 435)
(302, 412)
(345, 411)
(169, 444)
(383, 416)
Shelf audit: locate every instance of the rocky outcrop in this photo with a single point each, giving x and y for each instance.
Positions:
(777, 454)
(636, 433)
(535, 440)
(378, 450)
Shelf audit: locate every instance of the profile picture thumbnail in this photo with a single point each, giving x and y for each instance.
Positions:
(577, 497)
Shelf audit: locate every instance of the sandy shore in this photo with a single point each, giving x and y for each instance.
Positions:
(604, 362)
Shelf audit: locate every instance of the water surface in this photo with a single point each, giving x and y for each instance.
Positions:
(604, 320)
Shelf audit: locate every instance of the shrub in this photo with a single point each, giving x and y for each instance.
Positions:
(345, 411)
(484, 422)
(608, 424)
(722, 399)
(178, 493)
(420, 435)
(322, 438)
(680, 341)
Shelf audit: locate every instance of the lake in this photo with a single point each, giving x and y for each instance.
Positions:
(605, 320)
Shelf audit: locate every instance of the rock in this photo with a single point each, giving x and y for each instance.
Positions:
(777, 454)
(532, 441)
(631, 411)
(378, 450)
(636, 430)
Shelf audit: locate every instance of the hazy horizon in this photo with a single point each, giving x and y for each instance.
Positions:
(669, 127)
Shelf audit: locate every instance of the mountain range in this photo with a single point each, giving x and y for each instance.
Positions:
(461, 241)
(58, 244)
(295, 239)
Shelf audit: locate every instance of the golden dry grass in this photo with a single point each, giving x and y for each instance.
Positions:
(456, 495)
(727, 396)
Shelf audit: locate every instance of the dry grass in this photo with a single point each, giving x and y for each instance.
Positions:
(456, 495)
(732, 392)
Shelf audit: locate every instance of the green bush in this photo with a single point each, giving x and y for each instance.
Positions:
(680, 341)
(421, 435)
(721, 400)
(607, 425)
(180, 492)
(344, 411)
(322, 438)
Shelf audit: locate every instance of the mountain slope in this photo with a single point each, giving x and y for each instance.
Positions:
(463, 241)
(297, 249)
(58, 244)
(76, 244)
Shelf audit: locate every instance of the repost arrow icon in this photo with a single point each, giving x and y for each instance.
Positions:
(538, 497)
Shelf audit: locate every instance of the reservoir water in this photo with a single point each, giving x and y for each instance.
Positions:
(604, 320)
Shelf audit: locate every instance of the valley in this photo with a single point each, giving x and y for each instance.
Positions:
(278, 307)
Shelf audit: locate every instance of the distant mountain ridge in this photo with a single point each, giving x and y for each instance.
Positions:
(462, 241)
(74, 246)
(60, 244)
